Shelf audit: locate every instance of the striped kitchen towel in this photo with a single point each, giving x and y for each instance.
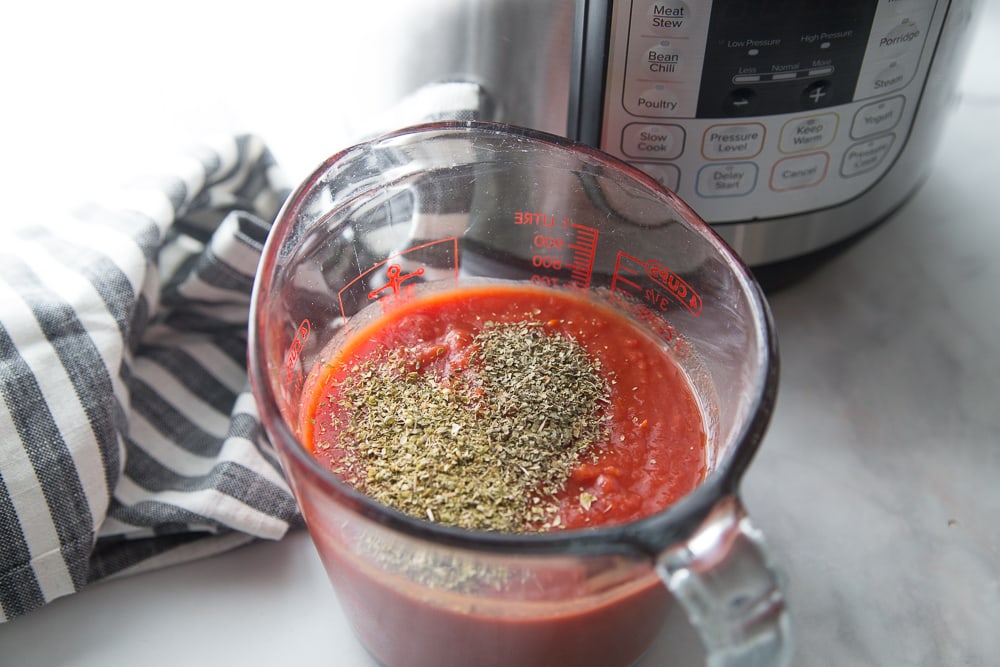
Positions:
(128, 437)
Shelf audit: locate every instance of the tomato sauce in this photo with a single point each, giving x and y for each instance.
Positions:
(656, 447)
(403, 626)
(654, 455)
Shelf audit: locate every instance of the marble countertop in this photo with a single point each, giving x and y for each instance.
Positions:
(878, 484)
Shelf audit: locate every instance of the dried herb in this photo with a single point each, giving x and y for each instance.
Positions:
(487, 449)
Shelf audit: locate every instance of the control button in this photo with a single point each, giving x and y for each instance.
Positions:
(877, 117)
(808, 133)
(733, 179)
(661, 59)
(652, 141)
(900, 38)
(866, 155)
(897, 7)
(728, 141)
(669, 17)
(887, 78)
(802, 171)
(740, 102)
(656, 101)
(667, 175)
(816, 94)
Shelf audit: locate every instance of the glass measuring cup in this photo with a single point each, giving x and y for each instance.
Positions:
(450, 204)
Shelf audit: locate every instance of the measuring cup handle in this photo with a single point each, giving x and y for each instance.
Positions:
(726, 581)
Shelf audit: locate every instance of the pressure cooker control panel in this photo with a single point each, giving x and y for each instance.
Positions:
(758, 109)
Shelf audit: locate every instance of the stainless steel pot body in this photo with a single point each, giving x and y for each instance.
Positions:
(791, 127)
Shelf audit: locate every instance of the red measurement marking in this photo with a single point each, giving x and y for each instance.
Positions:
(395, 280)
(675, 285)
(584, 248)
(626, 266)
(440, 256)
(629, 271)
(293, 370)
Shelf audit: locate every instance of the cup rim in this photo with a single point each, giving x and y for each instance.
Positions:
(647, 536)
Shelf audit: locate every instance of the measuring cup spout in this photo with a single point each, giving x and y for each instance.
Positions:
(727, 582)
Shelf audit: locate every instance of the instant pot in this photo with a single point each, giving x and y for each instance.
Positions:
(791, 126)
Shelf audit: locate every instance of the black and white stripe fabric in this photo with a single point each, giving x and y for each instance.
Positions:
(128, 437)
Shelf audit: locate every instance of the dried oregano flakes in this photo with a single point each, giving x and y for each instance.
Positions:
(488, 448)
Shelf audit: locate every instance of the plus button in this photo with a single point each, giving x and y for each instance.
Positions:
(816, 93)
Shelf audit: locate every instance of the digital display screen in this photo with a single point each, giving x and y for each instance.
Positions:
(779, 56)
